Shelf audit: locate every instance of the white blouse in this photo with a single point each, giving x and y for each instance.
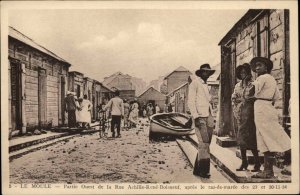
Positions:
(266, 87)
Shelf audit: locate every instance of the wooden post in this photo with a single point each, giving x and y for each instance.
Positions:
(9, 103)
(23, 98)
(61, 98)
(286, 76)
(42, 97)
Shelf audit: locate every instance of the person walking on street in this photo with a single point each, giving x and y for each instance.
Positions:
(71, 109)
(126, 113)
(243, 110)
(133, 116)
(269, 133)
(200, 108)
(117, 111)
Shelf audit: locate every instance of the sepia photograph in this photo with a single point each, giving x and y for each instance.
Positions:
(149, 97)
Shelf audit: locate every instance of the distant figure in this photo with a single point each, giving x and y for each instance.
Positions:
(116, 106)
(126, 113)
(150, 110)
(170, 109)
(165, 108)
(157, 109)
(144, 112)
(135, 104)
(84, 115)
(133, 116)
(71, 109)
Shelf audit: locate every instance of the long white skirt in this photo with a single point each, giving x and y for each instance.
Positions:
(269, 133)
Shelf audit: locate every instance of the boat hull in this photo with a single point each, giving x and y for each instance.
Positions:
(157, 128)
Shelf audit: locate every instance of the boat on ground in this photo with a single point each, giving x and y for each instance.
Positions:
(174, 124)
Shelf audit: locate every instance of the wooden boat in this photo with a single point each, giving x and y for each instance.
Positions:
(176, 124)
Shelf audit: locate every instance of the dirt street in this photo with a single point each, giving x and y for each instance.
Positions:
(89, 159)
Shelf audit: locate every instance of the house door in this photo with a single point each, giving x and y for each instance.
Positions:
(62, 100)
(16, 96)
(227, 122)
(42, 97)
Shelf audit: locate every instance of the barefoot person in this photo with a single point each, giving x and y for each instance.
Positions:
(270, 135)
(243, 110)
(200, 108)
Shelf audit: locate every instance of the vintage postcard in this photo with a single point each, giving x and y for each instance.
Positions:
(149, 97)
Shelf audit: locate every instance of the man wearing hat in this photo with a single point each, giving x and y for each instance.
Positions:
(269, 133)
(200, 108)
(116, 107)
(71, 109)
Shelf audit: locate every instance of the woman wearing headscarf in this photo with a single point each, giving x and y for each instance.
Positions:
(243, 110)
(269, 133)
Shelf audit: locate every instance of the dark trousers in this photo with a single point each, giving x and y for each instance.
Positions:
(71, 118)
(115, 120)
(204, 133)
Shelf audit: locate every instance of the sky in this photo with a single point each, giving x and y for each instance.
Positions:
(145, 43)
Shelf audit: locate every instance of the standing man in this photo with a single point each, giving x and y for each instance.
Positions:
(117, 111)
(71, 109)
(200, 108)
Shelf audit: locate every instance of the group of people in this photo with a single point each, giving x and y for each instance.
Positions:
(79, 110)
(149, 109)
(121, 109)
(253, 108)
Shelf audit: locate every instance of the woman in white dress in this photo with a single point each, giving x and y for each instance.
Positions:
(84, 115)
(134, 114)
(269, 133)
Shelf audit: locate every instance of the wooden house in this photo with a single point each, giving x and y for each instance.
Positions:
(151, 95)
(37, 84)
(258, 33)
(97, 98)
(179, 98)
(76, 83)
(89, 90)
(119, 80)
(176, 78)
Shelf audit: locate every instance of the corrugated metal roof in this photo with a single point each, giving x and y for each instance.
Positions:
(28, 41)
(149, 89)
(179, 69)
(108, 88)
(178, 88)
